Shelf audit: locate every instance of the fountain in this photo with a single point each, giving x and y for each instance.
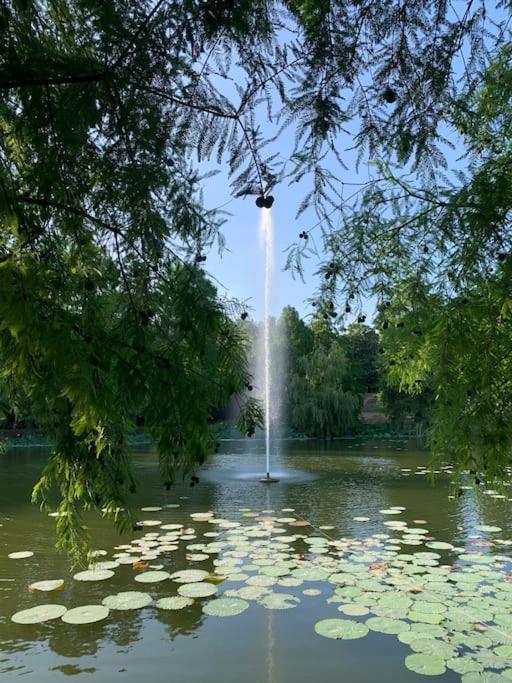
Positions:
(267, 235)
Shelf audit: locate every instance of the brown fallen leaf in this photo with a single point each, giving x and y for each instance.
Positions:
(139, 565)
(481, 627)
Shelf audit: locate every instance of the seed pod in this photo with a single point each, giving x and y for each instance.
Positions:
(389, 95)
(260, 202)
(268, 201)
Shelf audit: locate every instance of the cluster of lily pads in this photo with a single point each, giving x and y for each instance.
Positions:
(452, 606)
(449, 470)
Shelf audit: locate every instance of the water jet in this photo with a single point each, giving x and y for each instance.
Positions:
(266, 231)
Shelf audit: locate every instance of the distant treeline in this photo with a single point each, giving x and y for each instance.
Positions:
(323, 373)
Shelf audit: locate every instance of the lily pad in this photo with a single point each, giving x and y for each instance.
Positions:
(427, 665)
(279, 601)
(354, 610)
(39, 614)
(341, 629)
(225, 607)
(488, 529)
(189, 576)
(197, 590)
(174, 602)
(20, 555)
(386, 625)
(152, 577)
(94, 575)
(47, 586)
(86, 614)
(127, 600)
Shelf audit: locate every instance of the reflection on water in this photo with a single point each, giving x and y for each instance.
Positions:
(325, 485)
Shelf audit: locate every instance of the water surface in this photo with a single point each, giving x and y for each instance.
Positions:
(326, 486)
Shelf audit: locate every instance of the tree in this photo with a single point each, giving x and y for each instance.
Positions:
(361, 344)
(321, 406)
(297, 337)
(445, 313)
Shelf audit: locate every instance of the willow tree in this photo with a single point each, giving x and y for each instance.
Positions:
(106, 309)
(321, 405)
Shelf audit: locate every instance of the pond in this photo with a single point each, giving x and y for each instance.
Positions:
(354, 567)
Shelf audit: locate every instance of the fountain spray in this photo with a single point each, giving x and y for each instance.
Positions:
(267, 234)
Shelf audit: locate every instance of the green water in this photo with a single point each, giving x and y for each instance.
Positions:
(327, 486)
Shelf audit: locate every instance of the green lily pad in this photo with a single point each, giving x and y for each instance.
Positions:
(354, 610)
(94, 575)
(312, 592)
(310, 573)
(86, 614)
(247, 592)
(276, 570)
(488, 529)
(173, 603)
(262, 581)
(39, 614)
(47, 585)
(464, 665)
(428, 607)
(427, 665)
(127, 600)
(483, 677)
(225, 607)
(197, 590)
(439, 545)
(341, 629)
(189, 576)
(152, 577)
(278, 601)
(20, 555)
(504, 651)
(387, 625)
(425, 617)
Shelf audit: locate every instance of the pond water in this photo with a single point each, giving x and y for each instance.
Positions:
(356, 571)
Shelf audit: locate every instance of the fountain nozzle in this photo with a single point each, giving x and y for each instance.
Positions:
(263, 202)
(268, 479)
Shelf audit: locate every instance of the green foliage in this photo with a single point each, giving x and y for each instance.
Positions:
(456, 350)
(321, 407)
(361, 344)
(105, 310)
(437, 257)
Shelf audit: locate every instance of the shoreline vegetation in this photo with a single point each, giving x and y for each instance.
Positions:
(227, 431)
